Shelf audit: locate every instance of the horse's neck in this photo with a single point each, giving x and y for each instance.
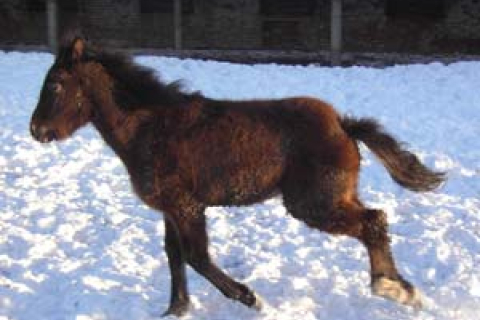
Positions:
(118, 127)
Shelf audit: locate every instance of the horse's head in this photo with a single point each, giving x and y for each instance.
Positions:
(64, 104)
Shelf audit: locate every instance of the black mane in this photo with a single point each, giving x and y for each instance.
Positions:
(135, 86)
(138, 87)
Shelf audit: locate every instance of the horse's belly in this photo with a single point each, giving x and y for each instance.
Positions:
(239, 160)
(239, 184)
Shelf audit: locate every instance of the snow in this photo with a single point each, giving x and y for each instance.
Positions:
(75, 243)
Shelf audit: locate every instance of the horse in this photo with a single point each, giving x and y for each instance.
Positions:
(185, 152)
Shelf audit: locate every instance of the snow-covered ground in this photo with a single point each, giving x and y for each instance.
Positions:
(75, 244)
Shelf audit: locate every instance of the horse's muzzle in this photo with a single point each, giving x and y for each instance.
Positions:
(42, 133)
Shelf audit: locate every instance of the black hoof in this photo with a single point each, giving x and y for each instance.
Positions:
(248, 298)
(177, 309)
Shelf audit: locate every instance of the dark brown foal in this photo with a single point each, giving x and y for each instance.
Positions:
(185, 152)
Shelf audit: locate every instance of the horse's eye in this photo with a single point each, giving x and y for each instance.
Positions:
(55, 87)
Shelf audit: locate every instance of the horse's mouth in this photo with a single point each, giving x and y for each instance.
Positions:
(51, 136)
(43, 135)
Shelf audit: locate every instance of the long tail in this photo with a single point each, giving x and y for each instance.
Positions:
(404, 167)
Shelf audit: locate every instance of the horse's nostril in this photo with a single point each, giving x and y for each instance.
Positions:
(34, 131)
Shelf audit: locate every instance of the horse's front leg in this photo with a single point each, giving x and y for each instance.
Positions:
(179, 299)
(188, 218)
(194, 237)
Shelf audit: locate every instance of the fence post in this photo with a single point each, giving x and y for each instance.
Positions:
(177, 24)
(52, 25)
(336, 33)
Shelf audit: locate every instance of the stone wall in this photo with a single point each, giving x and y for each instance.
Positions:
(246, 25)
(21, 25)
(115, 22)
(368, 28)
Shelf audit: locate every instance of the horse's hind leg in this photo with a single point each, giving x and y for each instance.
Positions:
(385, 280)
(329, 203)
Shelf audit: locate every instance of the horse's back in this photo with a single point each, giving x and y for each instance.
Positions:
(239, 152)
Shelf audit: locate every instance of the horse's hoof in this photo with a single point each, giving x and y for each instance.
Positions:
(178, 309)
(247, 297)
(398, 290)
(258, 304)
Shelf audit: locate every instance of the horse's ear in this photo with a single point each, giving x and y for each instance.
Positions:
(73, 48)
(78, 49)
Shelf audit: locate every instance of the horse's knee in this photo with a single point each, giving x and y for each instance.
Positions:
(374, 228)
(199, 262)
